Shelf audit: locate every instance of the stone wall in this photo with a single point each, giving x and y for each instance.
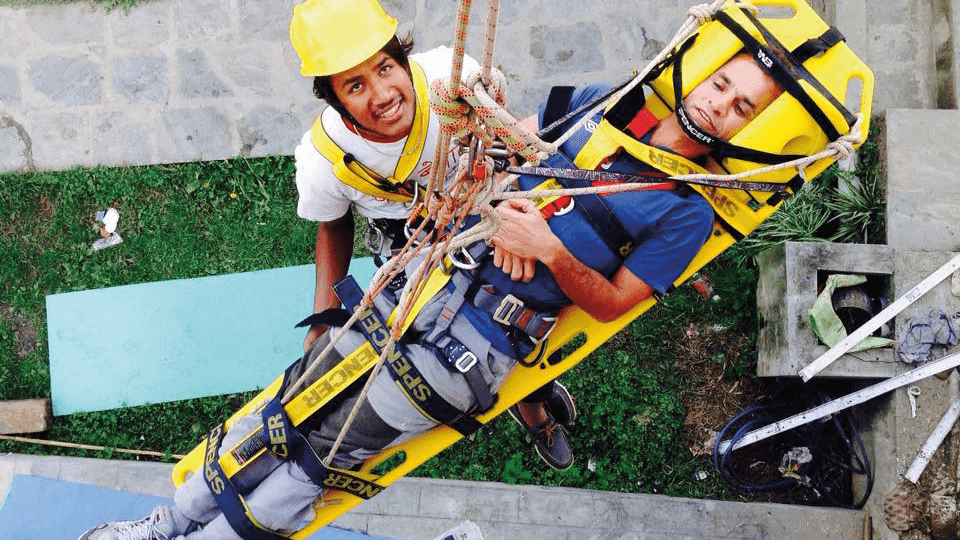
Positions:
(180, 80)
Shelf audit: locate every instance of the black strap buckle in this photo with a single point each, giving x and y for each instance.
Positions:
(508, 306)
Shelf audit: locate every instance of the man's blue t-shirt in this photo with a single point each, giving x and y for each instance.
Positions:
(668, 227)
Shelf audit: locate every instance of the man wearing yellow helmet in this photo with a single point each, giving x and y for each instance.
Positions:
(366, 151)
(371, 147)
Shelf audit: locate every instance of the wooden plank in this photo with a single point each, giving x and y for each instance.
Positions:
(25, 416)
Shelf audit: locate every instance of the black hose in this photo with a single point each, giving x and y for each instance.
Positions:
(832, 465)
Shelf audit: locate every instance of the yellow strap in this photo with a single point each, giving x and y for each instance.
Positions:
(318, 394)
(731, 204)
(365, 180)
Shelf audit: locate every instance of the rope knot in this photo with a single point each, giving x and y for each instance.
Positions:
(842, 147)
(703, 13)
(452, 112)
(496, 87)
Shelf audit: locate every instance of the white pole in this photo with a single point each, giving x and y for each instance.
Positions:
(841, 403)
(936, 438)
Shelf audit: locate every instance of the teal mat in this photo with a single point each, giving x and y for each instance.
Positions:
(180, 339)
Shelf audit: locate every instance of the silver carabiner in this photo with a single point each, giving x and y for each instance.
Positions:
(469, 263)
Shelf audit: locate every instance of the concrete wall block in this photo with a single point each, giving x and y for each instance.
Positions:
(570, 48)
(922, 185)
(197, 78)
(268, 131)
(120, 138)
(194, 134)
(202, 19)
(68, 80)
(402, 10)
(632, 43)
(61, 140)
(788, 287)
(67, 24)
(904, 86)
(11, 40)
(147, 26)
(142, 77)
(899, 44)
(265, 20)
(14, 150)
(850, 16)
(9, 86)
(252, 69)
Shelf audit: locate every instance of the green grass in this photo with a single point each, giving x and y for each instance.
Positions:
(201, 219)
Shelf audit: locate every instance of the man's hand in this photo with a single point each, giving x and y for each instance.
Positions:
(519, 268)
(522, 239)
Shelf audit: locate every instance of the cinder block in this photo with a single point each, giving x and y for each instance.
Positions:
(25, 416)
(790, 277)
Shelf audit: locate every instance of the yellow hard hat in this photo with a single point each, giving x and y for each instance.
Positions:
(331, 36)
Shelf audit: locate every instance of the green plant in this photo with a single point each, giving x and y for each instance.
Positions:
(837, 206)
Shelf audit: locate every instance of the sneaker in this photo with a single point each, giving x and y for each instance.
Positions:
(560, 405)
(157, 526)
(549, 440)
(111, 240)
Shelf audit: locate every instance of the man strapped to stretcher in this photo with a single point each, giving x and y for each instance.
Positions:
(603, 253)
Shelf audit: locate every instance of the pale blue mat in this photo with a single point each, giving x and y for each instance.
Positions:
(179, 339)
(38, 508)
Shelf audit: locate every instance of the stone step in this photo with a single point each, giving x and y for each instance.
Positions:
(421, 509)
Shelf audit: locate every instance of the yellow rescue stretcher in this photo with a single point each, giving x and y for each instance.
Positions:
(825, 73)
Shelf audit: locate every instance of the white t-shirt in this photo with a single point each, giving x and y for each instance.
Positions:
(323, 197)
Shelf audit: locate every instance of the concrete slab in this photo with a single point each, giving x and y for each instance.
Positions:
(422, 509)
(923, 194)
(893, 37)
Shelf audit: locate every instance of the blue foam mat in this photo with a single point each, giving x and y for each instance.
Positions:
(38, 508)
(178, 339)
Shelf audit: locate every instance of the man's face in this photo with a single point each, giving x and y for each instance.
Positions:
(730, 97)
(379, 95)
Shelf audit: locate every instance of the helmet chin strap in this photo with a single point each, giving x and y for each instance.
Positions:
(694, 131)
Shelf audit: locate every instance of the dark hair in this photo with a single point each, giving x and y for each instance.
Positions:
(397, 48)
